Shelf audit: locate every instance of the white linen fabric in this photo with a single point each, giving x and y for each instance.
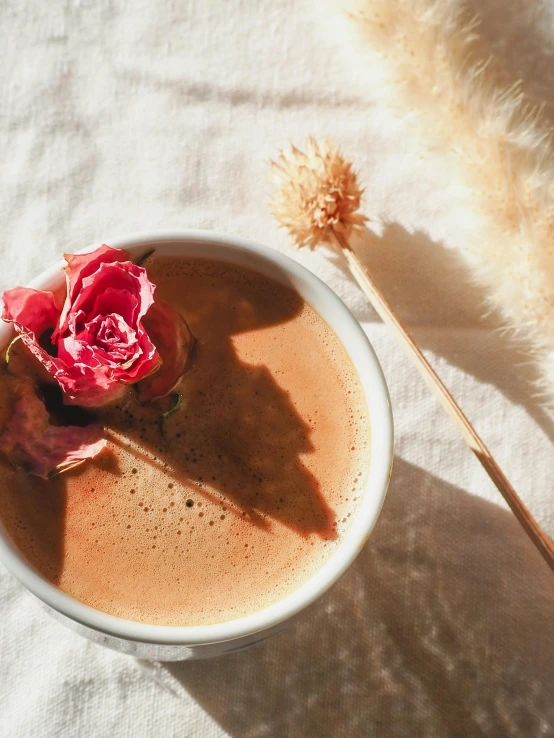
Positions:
(120, 116)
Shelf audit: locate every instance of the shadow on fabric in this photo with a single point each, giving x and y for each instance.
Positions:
(438, 629)
(431, 287)
(443, 626)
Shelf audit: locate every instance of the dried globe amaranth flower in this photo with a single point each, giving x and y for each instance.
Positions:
(316, 191)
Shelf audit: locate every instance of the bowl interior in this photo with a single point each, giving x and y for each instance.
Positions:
(273, 264)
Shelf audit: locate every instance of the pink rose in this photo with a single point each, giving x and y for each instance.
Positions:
(99, 344)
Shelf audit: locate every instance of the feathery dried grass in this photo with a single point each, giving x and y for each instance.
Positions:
(316, 190)
(432, 52)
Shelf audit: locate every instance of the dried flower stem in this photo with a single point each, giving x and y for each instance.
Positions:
(364, 279)
(295, 212)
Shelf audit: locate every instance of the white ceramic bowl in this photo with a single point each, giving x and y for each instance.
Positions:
(175, 643)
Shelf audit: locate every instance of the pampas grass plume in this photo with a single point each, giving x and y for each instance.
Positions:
(434, 60)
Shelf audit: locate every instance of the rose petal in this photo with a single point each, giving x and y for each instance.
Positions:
(149, 361)
(80, 266)
(140, 358)
(111, 333)
(50, 363)
(113, 329)
(174, 342)
(89, 386)
(124, 276)
(34, 309)
(31, 443)
(73, 350)
(121, 302)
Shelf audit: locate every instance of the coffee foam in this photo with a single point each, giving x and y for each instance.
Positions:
(249, 488)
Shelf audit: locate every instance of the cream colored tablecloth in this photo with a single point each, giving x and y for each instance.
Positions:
(119, 116)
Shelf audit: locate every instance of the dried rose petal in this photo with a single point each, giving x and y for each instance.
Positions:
(80, 266)
(32, 444)
(35, 309)
(99, 344)
(172, 337)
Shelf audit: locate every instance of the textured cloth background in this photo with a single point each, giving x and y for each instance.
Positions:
(118, 116)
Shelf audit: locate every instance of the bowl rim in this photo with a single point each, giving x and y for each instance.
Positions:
(366, 515)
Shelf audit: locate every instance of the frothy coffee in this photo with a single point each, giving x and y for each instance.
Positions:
(233, 501)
